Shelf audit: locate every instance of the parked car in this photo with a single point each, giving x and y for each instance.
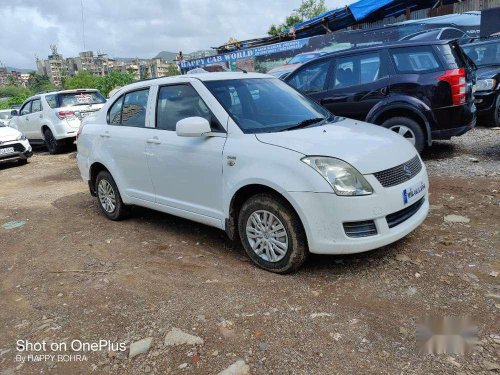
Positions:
(420, 90)
(5, 117)
(54, 118)
(248, 154)
(283, 70)
(443, 33)
(13, 145)
(486, 55)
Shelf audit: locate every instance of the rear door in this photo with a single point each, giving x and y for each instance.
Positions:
(357, 83)
(186, 171)
(124, 139)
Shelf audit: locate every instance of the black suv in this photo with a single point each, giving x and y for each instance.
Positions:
(421, 90)
(486, 55)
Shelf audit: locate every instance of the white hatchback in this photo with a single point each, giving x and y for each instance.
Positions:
(246, 153)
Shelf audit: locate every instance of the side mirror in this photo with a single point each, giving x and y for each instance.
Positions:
(14, 112)
(192, 127)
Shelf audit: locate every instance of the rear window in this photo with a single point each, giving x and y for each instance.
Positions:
(415, 60)
(80, 98)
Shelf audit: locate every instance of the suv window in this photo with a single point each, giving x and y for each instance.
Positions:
(177, 102)
(81, 98)
(357, 69)
(414, 60)
(51, 100)
(311, 78)
(36, 106)
(26, 109)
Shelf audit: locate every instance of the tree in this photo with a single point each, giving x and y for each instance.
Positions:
(39, 83)
(172, 70)
(113, 80)
(308, 9)
(82, 80)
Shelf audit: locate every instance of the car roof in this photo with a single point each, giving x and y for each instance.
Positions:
(484, 41)
(395, 44)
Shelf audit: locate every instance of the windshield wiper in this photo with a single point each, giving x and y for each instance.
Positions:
(305, 123)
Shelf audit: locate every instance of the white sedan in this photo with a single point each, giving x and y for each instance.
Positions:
(13, 145)
(248, 154)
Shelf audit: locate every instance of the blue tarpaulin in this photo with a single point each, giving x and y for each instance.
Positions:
(363, 8)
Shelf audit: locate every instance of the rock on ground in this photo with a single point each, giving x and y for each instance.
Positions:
(139, 347)
(237, 368)
(177, 337)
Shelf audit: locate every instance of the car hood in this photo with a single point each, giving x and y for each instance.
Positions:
(369, 148)
(8, 134)
(488, 72)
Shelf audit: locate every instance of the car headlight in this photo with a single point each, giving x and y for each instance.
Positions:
(343, 177)
(21, 137)
(485, 84)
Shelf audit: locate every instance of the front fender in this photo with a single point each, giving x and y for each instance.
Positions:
(409, 103)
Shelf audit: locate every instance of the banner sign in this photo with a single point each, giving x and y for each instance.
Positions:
(245, 54)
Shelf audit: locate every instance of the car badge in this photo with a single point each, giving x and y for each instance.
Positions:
(407, 170)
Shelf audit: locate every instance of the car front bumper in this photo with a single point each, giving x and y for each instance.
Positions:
(485, 101)
(22, 150)
(324, 215)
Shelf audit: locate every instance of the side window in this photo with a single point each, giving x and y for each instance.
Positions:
(177, 102)
(134, 108)
(115, 112)
(311, 78)
(357, 70)
(414, 60)
(36, 106)
(26, 109)
(51, 101)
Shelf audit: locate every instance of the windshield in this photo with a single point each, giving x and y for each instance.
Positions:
(300, 59)
(266, 105)
(484, 54)
(81, 98)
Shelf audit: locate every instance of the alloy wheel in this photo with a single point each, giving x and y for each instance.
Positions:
(107, 196)
(405, 132)
(267, 236)
(50, 141)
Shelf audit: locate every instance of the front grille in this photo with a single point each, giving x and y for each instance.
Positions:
(397, 218)
(399, 174)
(360, 228)
(17, 147)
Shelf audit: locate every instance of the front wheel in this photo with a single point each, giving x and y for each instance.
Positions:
(408, 129)
(272, 234)
(494, 118)
(109, 198)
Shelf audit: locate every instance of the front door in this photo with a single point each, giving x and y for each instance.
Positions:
(186, 171)
(35, 117)
(23, 119)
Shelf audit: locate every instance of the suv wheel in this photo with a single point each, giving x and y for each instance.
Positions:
(109, 198)
(51, 142)
(272, 234)
(408, 129)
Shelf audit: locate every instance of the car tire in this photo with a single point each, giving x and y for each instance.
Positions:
(273, 249)
(409, 129)
(109, 198)
(51, 142)
(494, 117)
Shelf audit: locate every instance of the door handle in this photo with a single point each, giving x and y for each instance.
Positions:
(26, 118)
(334, 99)
(40, 115)
(105, 135)
(383, 90)
(153, 140)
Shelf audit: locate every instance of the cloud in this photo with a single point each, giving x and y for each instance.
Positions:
(132, 28)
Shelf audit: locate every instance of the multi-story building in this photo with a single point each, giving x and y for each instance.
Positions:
(55, 67)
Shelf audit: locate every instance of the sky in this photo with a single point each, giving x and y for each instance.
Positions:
(132, 28)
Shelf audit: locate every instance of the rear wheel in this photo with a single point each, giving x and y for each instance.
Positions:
(109, 198)
(408, 129)
(51, 142)
(272, 234)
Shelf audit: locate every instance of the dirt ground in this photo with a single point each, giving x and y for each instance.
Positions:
(69, 274)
